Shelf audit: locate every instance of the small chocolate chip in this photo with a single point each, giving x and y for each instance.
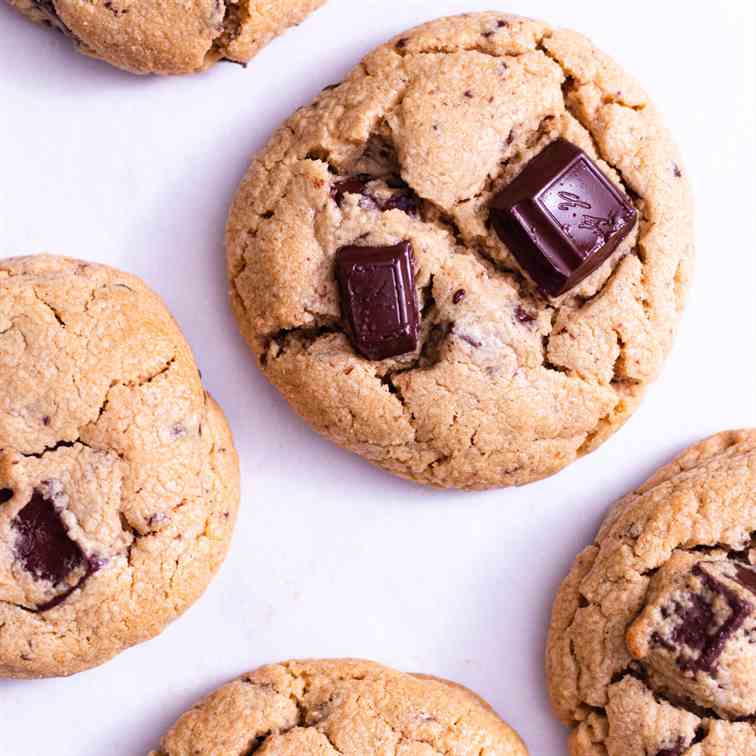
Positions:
(678, 172)
(46, 420)
(523, 316)
(468, 93)
(178, 430)
(459, 295)
(502, 24)
(487, 34)
(402, 43)
(5, 495)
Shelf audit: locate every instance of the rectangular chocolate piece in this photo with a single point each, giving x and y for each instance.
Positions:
(378, 299)
(561, 217)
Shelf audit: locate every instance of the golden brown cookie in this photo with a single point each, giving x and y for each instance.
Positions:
(397, 267)
(349, 707)
(652, 645)
(119, 482)
(168, 36)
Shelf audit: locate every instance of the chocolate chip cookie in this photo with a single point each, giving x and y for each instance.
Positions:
(170, 37)
(652, 646)
(119, 482)
(355, 708)
(466, 261)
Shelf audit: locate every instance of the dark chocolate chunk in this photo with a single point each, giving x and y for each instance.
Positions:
(42, 543)
(93, 565)
(561, 217)
(5, 495)
(408, 202)
(746, 577)
(378, 299)
(459, 295)
(352, 185)
(405, 199)
(702, 633)
(675, 750)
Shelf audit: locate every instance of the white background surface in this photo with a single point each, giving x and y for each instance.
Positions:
(332, 557)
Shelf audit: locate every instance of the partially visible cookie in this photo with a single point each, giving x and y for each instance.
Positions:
(170, 36)
(466, 261)
(349, 707)
(119, 482)
(652, 645)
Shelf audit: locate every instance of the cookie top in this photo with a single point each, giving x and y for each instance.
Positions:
(172, 36)
(421, 145)
(651, 646)
(119, 482)
(350, 707)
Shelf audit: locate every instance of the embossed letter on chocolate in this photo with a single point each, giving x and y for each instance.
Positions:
(378, 299)
(561, 217)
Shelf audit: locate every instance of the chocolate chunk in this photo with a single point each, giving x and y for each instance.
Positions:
(93, 565)
(676, 750)
(408, 202)
(561, 217)
(702, 633)
(459, 295)
(5, 495)
(352, 185)
(42, 543)
(746, 577)
(405, 199)
(378, 299)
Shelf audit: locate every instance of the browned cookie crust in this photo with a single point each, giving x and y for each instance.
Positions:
(651, 648)
(506, 385)
(349, 707)
(119, 482)
(168, 36)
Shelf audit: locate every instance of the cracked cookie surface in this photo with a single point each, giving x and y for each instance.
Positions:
(350, 707)
(652, 644)
(170, 36)
(119, 482)
(506, 385)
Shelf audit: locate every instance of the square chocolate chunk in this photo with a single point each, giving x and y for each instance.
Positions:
(378, 299)
(561, 217)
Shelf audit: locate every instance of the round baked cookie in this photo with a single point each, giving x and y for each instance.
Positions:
(345, 706)
(370, 274)
(651, 647)
(169, 36)
(119, 482)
